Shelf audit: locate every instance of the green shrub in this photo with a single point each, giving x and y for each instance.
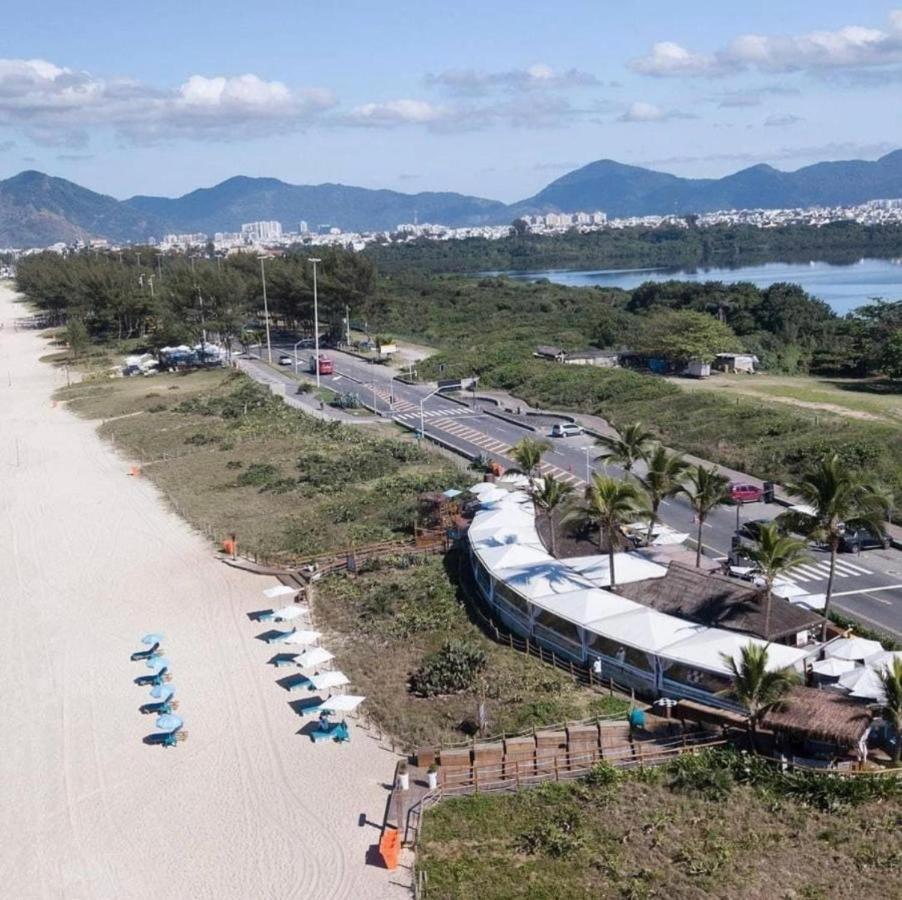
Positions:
(451, 670)
(560, 837)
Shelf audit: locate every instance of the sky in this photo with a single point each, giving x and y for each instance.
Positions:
(493, 98)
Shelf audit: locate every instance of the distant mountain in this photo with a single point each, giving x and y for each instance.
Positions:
(229, 204)
(36, 209)
(622, 190)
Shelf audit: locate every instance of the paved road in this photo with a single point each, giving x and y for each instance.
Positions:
(868, 587)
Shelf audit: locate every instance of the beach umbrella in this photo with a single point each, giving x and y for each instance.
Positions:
(153, 638)
(833, 667)
(280, 590)
(162, 692)
(168, 722)
(883, 659)
(303, 638)
(157, 664)
(853, 648)
(315, 656)
(341, 703)
(862, 681)
(328, 680)
(288, 612)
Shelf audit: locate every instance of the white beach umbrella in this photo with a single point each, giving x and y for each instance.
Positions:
(303, 638)
(289, 612)
(883, 659)
(323, 680)
(833, 667)
(341, 703)
(315, 656)
(280, 590)
(864, 682)
(853, 648)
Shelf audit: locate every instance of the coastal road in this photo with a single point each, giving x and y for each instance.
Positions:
(868, 587)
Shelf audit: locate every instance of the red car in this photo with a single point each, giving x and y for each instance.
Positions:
(746, 493)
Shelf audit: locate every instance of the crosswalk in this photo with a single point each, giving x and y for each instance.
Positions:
(820, 571)
(433, 413)
(471, 435)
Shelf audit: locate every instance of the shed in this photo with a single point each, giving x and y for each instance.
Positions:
(736, 362)
(811, 714)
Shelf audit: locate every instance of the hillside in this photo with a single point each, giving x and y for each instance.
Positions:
(227, 205)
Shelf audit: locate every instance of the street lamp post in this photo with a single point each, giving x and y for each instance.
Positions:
(298, 344)
(315, 320)
(423, 413)
(265, 309)
(587, 450)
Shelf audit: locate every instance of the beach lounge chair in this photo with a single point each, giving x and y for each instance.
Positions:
(161, 708)
(331, 731)
(154, 680)
(296, 683)
(149, 653)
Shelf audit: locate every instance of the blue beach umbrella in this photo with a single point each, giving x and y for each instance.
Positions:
(162, 692)
(157, 663)
(152, 638)
(168, 722)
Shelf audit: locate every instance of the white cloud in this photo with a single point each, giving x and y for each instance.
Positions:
(650, 112)
(537, 77)
(56, 105)
(397, 112)
(781, 121)
(850, 47)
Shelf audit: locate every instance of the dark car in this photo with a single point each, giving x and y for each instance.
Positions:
(854, 540)
(752, 529)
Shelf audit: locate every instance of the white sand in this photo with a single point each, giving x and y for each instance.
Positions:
(90, 559)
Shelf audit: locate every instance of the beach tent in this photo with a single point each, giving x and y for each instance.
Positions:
(628, 567)
(541, 578)
(585, 607)
(647, 629)
(280, 590)
(707, 647)
(853, 648)
(508, 555)
(315, 656)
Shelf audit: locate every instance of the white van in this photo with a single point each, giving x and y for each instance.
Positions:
(566, 429)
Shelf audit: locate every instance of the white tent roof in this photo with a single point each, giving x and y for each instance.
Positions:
(883, 659)
(518, 479)
(496, 495)
(646, 629)
(328, 680)
(280, 590)
(508, 555)
(482, 487)
(853, 648)
(521, 534)
(289, 612)
(863, 682)
(832, 667)
(341, 703)
(315, 656)
(540, 579)
(628, 567)
(703, 650)
(489, 521)
(303, 638)
(586, 606)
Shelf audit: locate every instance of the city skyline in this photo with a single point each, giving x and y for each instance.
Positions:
(495, 103)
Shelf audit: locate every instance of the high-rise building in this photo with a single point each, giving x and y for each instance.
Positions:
(303, 228)
(262, 231)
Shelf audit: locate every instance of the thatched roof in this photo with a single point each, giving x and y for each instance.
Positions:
(719, 601)
(821, 715)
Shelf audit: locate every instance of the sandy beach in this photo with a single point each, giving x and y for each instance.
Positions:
(90, 560)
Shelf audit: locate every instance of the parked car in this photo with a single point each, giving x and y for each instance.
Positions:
(566, 429)
(752, 528)
(855, 540)
(285, 360)
(745, 493)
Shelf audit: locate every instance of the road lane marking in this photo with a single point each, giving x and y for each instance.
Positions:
(886, 587)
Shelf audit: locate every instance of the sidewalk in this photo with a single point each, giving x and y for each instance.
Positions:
(597, 426)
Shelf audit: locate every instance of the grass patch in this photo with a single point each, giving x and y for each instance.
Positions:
(232, 458)
(386, 623)
(666, 836)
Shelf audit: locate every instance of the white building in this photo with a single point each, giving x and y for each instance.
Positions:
(257, 232)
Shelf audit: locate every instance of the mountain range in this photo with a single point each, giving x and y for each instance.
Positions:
(38, 210)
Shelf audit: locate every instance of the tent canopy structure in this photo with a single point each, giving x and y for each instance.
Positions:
(648, 630)
(280, 590)
(315, 656)
(863, 681)
(627, 567)
(286, 613)
(509, 555)
(303, 638)
(707, 648)
(323, 680)
(586, 606)
(832, 667)
(543, 578)
(341, 703)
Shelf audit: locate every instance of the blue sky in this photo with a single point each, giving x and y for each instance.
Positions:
(494, 98)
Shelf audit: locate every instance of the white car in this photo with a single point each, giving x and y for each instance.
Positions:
(286, 360)
(566, 429)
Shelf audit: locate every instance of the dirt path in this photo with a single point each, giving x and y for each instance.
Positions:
(90, 559)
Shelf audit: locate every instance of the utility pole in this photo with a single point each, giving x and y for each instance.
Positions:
(348, 324)
(160, 267)
(315, 322)
(266, 313)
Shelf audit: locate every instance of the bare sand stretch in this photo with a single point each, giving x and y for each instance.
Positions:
(90, 559)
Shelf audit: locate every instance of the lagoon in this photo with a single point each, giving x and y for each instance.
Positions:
(843, 287)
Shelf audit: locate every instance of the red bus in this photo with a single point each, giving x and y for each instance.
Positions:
(326, 366)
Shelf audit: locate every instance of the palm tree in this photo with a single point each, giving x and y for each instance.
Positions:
(839, 499)
(757, 688)
(774, 554)
(662, 480)
(707, 489)
(626, 447)
(527, 454)
(548, 498)
(891, 676)
(609, 504)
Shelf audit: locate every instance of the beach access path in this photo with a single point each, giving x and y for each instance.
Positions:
(90, 560)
